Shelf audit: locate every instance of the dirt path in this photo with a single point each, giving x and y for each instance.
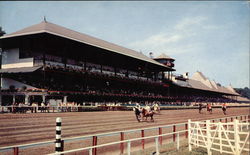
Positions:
(28, 128)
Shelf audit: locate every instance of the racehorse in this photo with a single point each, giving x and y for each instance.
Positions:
(147, 114)
(137, 113)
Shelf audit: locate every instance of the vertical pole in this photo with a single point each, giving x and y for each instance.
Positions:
(58, 146)
(122, 144)
(94, 143)
(208, 137)
(236, 137)
(189, 135)
(174, 130)
(90, 152)
(157, 146)
(16, 150)
(186, 128)
(219, 132)
(160, 133)
(231, 121)
(142, 141)
(178, 141)
(247, 121)
(128, 147)
(226, 123)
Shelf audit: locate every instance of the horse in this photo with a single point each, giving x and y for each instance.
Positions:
(137, 113)
(147, 114)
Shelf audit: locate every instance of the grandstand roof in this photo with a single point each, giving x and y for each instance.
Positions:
(47, 27)
(200, 81)
(206, 84)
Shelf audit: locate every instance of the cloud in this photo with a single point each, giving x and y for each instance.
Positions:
(188, 22)
(181, 38)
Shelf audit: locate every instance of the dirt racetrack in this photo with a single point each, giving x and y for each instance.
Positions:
(36, 127)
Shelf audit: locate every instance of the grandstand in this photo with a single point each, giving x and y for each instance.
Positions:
(47, 61)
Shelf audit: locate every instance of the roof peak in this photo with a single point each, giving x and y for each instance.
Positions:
(163, 56)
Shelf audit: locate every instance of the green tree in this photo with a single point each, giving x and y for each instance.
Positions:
(245, 92)
(2, 32)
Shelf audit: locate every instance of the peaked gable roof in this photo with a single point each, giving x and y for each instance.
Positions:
(47, 27)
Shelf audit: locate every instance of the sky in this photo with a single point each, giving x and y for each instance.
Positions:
(209, 36)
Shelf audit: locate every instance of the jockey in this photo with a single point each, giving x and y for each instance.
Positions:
(156, 107)
(148, 108)
(224, 108)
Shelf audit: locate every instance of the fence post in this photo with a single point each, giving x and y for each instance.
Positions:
(247, 122)
(122, 144)
(128, 147)
(189, 135)
(208, 137)
(58, 143)
(90, 152)
(16, 150)
(178, 141)
(236, 137)
(186, 128)
(157, 145)
(142, 141)
(160, 133)
(94, 143)
(219, 132)
(174, 130)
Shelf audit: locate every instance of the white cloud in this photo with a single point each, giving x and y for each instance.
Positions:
(181, 38)
(188, 22)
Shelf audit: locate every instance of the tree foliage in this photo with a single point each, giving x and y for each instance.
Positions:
(2, 32)
(245, 92)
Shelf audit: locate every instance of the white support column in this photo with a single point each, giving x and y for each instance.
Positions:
(178, 141)
(157, 145)
(208, 137)
(189, 135)
(90, 152)
(219, 132)
(26, 99)
(128, 147)
(236, 137)
(14, 99)
(43, 98)
(197, 133)
(65, 99)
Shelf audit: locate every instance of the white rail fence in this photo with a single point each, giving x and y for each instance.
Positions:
(229, 137)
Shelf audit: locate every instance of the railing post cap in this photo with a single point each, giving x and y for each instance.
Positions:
(58, 119)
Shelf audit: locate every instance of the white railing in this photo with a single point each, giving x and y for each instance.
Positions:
(221, 137)
(157, 146)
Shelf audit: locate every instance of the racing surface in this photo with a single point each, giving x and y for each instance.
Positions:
(27, 128)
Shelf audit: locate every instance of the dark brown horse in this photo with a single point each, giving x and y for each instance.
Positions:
(147, 114)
